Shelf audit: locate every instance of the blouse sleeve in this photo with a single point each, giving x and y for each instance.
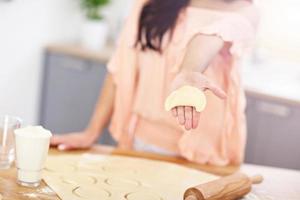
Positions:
(238, 29)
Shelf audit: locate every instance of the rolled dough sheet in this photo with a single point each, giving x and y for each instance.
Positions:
(95, 177)
(186, 96)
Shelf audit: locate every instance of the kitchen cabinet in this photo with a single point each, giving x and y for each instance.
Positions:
(70, 89)
(273, 131)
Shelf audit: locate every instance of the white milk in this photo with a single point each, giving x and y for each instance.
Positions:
(32, 145)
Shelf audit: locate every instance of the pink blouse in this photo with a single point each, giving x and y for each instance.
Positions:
(143, 80)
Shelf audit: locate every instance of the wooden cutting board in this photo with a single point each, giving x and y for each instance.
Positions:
(272, 187)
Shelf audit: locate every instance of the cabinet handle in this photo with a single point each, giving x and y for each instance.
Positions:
(273, 109)
(76, 65)
(81, 68)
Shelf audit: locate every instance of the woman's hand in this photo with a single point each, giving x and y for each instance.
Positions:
(71, 141)
(187, 116)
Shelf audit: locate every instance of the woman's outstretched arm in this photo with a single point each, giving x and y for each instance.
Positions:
(201, 50)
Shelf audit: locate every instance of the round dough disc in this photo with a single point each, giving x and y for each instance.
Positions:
(186, 96)
(91, 193)
(113, 169)
(60, 167)
(78, 179)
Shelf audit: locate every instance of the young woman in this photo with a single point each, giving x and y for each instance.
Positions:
(166, 44)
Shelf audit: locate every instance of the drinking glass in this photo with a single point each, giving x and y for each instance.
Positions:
(32, 145)
(7, 143)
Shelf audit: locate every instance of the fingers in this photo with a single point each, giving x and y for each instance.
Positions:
(174, 112)
(188, 114)
(72, 146)
(56, 140)
(180, 117)
(61, 142)
(196, 117)
(62, 147)
(65, 147)
(72, 141)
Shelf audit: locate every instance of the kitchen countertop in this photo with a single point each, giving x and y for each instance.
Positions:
(279, 184)
(80, 52)
(276, 79)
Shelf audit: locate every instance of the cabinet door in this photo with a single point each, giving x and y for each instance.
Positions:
(70, 90)
(251, 129)
(277, 134)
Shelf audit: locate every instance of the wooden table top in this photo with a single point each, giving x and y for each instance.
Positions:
(279, 184)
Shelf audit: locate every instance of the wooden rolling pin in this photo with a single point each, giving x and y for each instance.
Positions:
(231, 187)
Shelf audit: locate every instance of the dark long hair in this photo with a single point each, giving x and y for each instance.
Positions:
(156, 19)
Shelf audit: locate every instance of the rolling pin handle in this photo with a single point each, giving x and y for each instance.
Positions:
(191, 197)
(257, 179)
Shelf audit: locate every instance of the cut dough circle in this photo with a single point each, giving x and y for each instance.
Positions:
(118, 170)
(186, 96)
(142, 196)
(91, 193)
(60, 167)
(119, 182)
(76, 180)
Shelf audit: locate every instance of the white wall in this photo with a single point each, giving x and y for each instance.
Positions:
(279, 33)
(26, 26)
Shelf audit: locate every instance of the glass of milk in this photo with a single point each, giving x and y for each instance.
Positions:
(32, 145)
(7, 144)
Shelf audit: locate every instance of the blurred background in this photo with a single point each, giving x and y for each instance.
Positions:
(53, 55)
